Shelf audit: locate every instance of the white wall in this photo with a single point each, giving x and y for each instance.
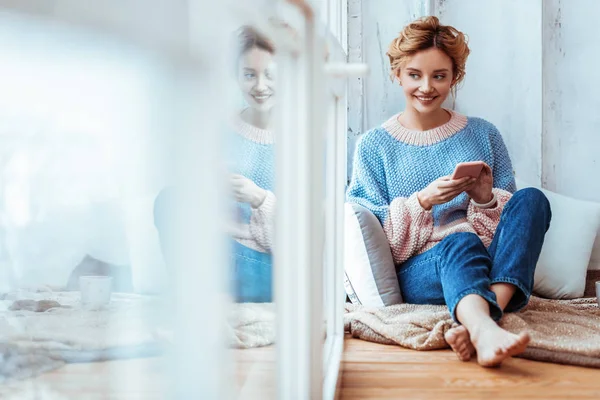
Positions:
(571, 119)
(571, 139)
(531, 72)
(503, 83)
(372, 24)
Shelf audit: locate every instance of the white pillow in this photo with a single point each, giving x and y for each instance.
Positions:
(562, 267)
(370, 273)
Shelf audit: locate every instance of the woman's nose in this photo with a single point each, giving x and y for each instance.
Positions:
(261, 83)
(426, 86)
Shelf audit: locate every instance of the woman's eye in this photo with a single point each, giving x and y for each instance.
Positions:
(414, 76)
(439, 77)
(249, 75)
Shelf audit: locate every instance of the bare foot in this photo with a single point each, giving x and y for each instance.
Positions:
(459, 339)
(494, 344)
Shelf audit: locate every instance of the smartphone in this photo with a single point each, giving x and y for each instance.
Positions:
(471, 168)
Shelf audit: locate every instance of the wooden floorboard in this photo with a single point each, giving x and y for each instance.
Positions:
(374, 371)
(370, 371)
(124, 379)
(254, 377)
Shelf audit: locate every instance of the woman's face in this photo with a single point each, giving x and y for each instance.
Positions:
(426, 79)
(256, 78)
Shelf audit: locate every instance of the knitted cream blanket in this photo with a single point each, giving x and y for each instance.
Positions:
(40, 330)
(562, 331)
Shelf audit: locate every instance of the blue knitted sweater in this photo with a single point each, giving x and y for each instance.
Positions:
(252, 156)
(392, 164)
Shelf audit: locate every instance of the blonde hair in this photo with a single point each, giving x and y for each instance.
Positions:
(250, 38)
(425, 33)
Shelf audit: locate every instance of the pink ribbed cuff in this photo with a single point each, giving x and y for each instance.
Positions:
(262, 221)
(268, 204)
(414, 205)
(489, 204)
(407, 227)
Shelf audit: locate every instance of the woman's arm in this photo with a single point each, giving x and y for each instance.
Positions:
(262, 203)
(262, 221)
(407, 225)
(485, 217)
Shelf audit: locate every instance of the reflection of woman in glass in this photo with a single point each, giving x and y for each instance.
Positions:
(250, 145)
(251, 165)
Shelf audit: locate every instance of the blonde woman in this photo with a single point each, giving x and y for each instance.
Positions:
(469, 243)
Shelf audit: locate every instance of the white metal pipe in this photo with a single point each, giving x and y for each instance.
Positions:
(286, 250)
(335, 337)
(299, 242)
(315, 160)
(341, 145)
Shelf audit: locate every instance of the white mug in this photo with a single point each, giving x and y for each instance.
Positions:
(95, 291)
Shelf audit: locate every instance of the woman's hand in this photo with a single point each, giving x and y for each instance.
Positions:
(239, 231)
(246, 191)
(442, 190)
(481, 192)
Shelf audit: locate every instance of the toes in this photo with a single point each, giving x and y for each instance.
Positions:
(459, 341)
(463, 355)
(524, 338)
(515, 344)
(519, 341)
(451, 337)
(510, 343)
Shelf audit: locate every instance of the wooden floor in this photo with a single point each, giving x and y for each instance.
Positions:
(370, 371)
(373, 371)
(135, 379)
(146, 378)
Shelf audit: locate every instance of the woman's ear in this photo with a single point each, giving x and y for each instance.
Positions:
(397, 75)
(454, 80)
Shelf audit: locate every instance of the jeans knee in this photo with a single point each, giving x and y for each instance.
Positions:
(536, 201)
(462, 250)
(461, 240)
(530, 194)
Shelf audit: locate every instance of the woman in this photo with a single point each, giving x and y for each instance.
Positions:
(469, 243)
(250, 146)
(251, 163)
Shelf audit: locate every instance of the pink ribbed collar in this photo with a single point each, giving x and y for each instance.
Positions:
(425, 138)
(250, 132)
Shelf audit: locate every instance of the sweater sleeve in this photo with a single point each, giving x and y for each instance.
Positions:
(262, 222)
(407, 225)
(486, 220)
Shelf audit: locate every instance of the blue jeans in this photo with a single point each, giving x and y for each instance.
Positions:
(252, 275)
(461, 265)
(251, 270)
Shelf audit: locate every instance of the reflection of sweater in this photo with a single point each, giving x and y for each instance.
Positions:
(392, 164)
(251, 155)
